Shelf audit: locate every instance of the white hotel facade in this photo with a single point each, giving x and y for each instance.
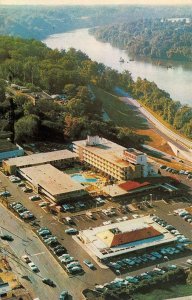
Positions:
(112, 159)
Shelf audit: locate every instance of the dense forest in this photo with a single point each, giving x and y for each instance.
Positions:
(40, 21)
(155, 38)
(32, 64)
(72, 73)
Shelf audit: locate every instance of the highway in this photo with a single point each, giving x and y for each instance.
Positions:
(26, 242)
(176, 138)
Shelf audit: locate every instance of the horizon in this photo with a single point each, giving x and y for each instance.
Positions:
(96, 2)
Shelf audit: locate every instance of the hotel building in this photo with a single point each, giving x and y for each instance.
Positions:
(112, 159)
(55, 184)
(55, 158)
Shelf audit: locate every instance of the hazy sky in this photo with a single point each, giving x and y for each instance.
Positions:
(93, 2)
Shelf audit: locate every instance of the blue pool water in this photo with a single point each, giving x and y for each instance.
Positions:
(80, 178)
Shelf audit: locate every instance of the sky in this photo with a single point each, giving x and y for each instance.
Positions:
(94, 2)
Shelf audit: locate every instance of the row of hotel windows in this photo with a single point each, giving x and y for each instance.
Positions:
(104, 162)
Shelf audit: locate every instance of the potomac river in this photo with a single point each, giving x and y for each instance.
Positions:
(177, 81)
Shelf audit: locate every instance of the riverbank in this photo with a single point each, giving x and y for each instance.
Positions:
(176, 81)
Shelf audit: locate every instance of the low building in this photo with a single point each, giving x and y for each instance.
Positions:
(55, 158)
(112, 159)
(140, 187)
(124, 237)
(8, 150)
(53, 183)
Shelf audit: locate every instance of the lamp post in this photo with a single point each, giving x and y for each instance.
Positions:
(151, 198)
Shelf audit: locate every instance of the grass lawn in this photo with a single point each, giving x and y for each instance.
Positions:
(167, 292)
(126, 116)
(120, 113)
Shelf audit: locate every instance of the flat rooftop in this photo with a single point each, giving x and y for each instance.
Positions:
(41, 158)
(51, 179)
(114, 190)
(107, 150)
(148, 234)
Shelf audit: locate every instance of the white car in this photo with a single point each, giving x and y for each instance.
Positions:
(26, 258)
(14, 179)
(33, 267)
(34, 197)
(43, 204)
(189, 261)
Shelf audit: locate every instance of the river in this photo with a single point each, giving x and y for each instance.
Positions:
(177, 81)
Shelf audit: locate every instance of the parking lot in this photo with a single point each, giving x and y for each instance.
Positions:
(44, 218)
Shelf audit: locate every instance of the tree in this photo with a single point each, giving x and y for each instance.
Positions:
(2, 90)
(75, 127)
(27, 128)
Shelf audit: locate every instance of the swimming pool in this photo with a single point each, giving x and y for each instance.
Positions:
(80, 178)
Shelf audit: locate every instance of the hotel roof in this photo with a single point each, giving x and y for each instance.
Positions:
(108, 150)
(41, 158)
(51, 179)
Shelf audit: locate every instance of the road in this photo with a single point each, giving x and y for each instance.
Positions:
(178, 140)
(26, 242)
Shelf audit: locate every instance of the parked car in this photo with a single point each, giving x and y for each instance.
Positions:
(5, 194)
(67, 260)
(26, 189)
(7, 237)
(66, 255)
(44, 232)
(65, 207)
(26, 258)
(100, 201)
(14, 179)
(42, 229)
(50, 239)
(189, 261)
(59, 252)
(33, 267)
(71, 231)
(89, 264)
(90, 215)
(52, 243)
(21, 184)
(48, 282)
(75, 270)
(43, 204)
(68, 220)
(34, 198)
(64, 295)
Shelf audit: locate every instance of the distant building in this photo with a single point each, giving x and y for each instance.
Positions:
(55, 158)
(124, 237)
(53, 183)
(112, 159)
(9, 150)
